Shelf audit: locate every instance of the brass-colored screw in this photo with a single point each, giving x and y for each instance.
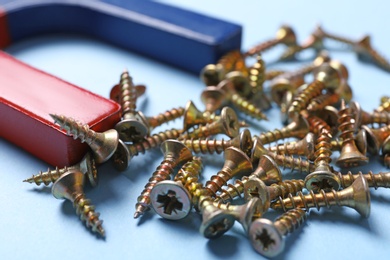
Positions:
(365, 118)
(165, 117)
(172, 199)
(193, 116)
(378, 180)
(298, 128)
(322, 101)
(365, 51)
(70, 186)
(243, 141)
(175, 153)
(227, 124)
(285, 35)
(213, 98)
(240, 102)
(385, 105)
(125, 152)
(257, 78)
(322, 177)
(115, 93)
(356, 196)
(284, 161)
(244, 213)
(360, 140)
(236, 162)
(350, 156)
(87, 166)
(267, 236)
(325, 78)
(303, 147)
(316, 124)
(133, 125)
(103, 145)
(376, 138)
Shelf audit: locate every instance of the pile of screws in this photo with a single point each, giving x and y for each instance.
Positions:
(320, 115)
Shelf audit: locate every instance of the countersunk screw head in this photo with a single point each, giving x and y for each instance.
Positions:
(256, 188)
(213, 98)
(322, 178)
(287, 35)
(121, 157)
(212, 74)
(230, 122)
(215, 223)
(171, 200)
(133, 128)
(69, 183)
(330, 76)
(266, 238)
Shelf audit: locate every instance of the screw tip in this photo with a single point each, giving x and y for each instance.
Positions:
(137, 214)
(101, 231)
(28, 180)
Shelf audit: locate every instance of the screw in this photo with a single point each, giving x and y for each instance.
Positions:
(284, 161)
(240, 102)
(103, 145)
(299, 127)
(350, 156)
(175, 153)
(227, 124)
(193, 116)
(125, 152)
(165, 117)
(133, 125)
(365, 118)
(172, 199)
(86, 166)
(303, 147)
(322, 177)
(376, 138)
(316, 124)
(115, 93)
(326, 78)
(257, 77)
(236, 162)
(356, 196)
(385, 105)
(360, 140)
(245, 213)
(365, 51)
(243, 141)
(70, 186)
(267, 236)
(213, 98)
(379, 180)
(285, 35)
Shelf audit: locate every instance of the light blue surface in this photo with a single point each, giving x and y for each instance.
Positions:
(35, 225)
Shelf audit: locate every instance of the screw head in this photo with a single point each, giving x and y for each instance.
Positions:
(171, 200)
(215, 222)
(361, 196)
(237, 81)
(287, 35)
(256, 188)
(133, 128)
(265, 238)
(322, 179)
(121, 157)
(212, 74)
(330, 76)
(246, 142)
(213, 98)
(88, 167)
(177, 150)
(69, 183)
(230, 122)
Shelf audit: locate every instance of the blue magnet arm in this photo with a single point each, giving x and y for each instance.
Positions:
(175, 36)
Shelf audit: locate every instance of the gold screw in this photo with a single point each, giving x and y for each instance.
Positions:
(165, 117)
(365, 118)
(267, 236)
(86, 166)
(385, 105)
(213, 98)
(70, 186)
(175, 153)
(325, 78)
(322, 177)
(257, 78)
(133, 125)
(227, 124)
(356, 196)
(379, 180)
(243, 141)
(376, 138)
(285, 35)
(125, 152)
(236, 162)
(171, 199)
(103, 145)
(115, 93)
(350, 156)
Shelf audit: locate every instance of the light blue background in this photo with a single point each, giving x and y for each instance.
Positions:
(35, 225)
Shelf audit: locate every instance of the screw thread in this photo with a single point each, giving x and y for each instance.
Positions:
(86, 211)
(316, 124)
(311, 200)
(338, 38)
(75, 128)
(378, 58)
(262, 47)
(217, 181)
(287, 148)
(152, 141)
(376, 117)
(323, 149)
(299, 72)
(257, 74)
(165, 117)
(290, 221)
(232, 191)
(274, 135)
(247, 107)
(320, 102)
(205, 146)
(384, 106)
(294, 163)
(163, 172)
(301, 101)
(285, 188)
(379, 180)
(203, 131)
(229, 61)
(128, 94)
(48, 177)
(271, 74)
(346, 124)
